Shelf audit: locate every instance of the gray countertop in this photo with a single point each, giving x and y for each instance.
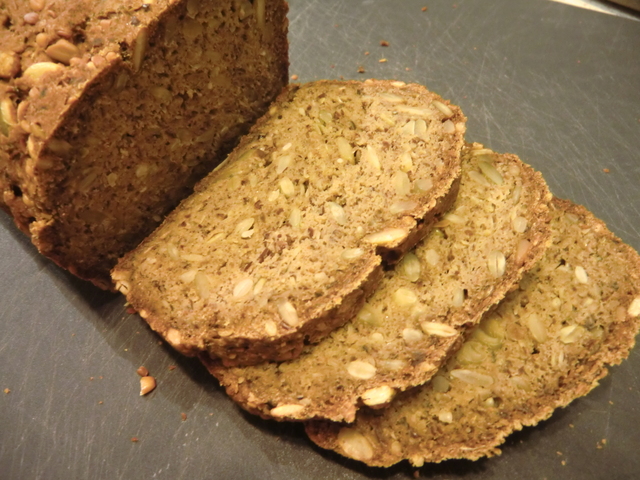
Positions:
(558, 86)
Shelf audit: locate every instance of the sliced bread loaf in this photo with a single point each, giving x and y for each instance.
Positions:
(497, 228)
(283, 242)
(546, 344)
(110, 111)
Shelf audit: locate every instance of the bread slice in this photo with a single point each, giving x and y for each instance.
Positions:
(497, 228)
(283, 242)
(546, 344)
(111, 111)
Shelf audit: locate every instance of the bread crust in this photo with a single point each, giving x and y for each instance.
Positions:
(576, 313)
(247, 331)
(99, 101)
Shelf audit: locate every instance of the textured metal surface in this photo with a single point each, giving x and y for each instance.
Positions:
(556, 85)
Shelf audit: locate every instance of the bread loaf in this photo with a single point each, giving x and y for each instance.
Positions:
(546, 344)
(111, 110)
(285, 240)
(496, 229)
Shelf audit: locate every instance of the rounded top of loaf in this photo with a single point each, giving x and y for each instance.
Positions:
(50, 51)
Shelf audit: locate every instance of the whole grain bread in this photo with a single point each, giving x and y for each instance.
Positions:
(496, 229)
(112, 110)
(283, 242)
(546, 344)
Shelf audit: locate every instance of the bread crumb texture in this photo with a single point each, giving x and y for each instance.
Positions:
(547, 343)
(497, 228)
(284, 241)
(110, 111)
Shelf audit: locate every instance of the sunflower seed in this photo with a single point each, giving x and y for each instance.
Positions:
(295, 217)
(286, 187)
(406, 162)
(286, 410)
(62, 51)
(36, 71)
(537, 328)
(352, 253)
(345, 150)
(378, 396)
(440, 384)
(438, 329)
(325, 116)
(243, 288)
(402, 206)
(288, 313)
(391, 98)
(270, 327)
(373, 159)
(409, 127)
(634, 307)
(491, 172)
(445, 417)
(244, 225)
(354, 444)
(337, 212)
(361, 370)
(283, 163)
(581, 275)
(202, 286)
(401, 183)
(140, 48)
(448, 127)
(388, 235)
(409, 267)
(189, 275)
(418, 112)
(370, 315)
(478, 178)
(259, 286)
(404, 297)
(412, 336)
(424, 184)
(522, 250)
(458, 297)
(444, 109)
(421, 128)
(571, 333)
(519, 224)
(473, 378)
(497, 264)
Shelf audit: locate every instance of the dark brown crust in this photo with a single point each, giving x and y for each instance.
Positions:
(341, 405)
(585, 371)
(106, 34)
(257, 347)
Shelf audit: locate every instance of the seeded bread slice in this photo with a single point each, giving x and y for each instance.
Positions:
(111, 110)
(283, 242)
(546, 344)
(497, 229)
